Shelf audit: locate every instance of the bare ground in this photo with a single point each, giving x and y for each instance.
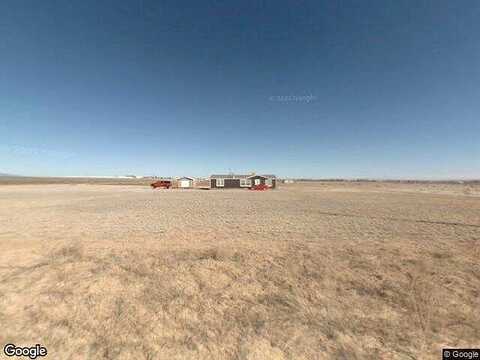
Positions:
(309, 271)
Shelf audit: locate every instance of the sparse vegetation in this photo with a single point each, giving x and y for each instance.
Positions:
(310, 271)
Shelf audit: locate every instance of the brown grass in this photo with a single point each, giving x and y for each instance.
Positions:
(310, 271)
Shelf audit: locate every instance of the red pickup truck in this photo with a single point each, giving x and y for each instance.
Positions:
(162, 184)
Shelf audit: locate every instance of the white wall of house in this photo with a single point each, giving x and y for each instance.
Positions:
(185, 183)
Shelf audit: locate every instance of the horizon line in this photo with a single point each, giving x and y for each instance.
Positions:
(301, 178)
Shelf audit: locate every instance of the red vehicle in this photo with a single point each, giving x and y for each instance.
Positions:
(259, 187)
(162, 184)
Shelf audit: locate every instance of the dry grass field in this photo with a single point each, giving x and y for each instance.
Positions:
(308, 271)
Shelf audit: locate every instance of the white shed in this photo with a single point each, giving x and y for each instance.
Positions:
(185, 182)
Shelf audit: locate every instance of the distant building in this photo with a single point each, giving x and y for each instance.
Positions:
(233, 181)
(185, 182)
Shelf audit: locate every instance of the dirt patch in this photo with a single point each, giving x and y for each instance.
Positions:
(102, 272)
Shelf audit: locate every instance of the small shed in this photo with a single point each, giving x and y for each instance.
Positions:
(185, 182)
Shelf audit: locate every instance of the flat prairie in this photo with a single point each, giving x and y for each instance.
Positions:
(306, 271)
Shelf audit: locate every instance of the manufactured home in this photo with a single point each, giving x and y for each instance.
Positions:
(232, 181)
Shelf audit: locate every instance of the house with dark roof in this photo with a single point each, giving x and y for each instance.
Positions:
(233, 181)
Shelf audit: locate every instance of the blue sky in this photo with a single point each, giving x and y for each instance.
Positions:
(383, 89)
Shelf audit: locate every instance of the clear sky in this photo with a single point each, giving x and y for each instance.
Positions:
(384, 89)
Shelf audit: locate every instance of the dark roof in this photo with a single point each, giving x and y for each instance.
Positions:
(263, 175)
(229, 176)
(237, 176)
